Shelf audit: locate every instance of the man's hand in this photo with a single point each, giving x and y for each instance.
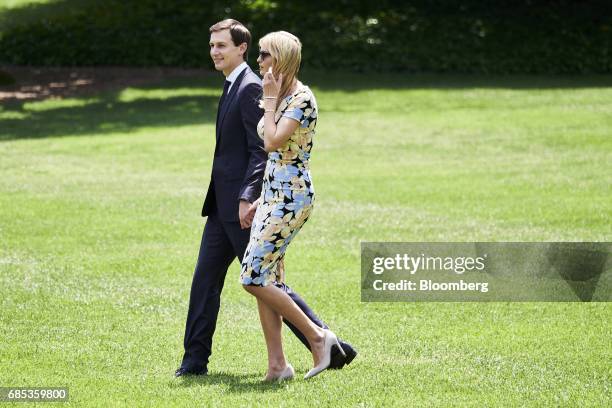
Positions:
(246, 213)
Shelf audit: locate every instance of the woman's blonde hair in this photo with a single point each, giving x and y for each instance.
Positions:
(286, 49)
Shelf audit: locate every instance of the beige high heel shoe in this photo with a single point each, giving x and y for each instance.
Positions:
(287, 374)
(329, 340)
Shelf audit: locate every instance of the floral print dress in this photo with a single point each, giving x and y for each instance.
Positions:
(287, 194)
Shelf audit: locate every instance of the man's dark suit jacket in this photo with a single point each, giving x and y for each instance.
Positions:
(240, 158)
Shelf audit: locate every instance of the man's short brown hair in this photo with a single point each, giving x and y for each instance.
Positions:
(240, 34)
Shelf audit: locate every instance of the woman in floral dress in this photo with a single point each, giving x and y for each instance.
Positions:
(287, 197)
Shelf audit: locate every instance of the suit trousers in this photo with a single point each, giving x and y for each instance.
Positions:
(221, 243)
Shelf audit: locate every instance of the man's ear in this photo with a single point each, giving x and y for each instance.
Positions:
(243, 48)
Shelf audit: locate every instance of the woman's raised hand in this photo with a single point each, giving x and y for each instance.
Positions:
(271, 85)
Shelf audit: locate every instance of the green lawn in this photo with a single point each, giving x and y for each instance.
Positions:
(100, 227)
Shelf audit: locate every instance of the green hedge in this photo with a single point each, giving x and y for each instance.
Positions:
(526, 36)
(6, 79)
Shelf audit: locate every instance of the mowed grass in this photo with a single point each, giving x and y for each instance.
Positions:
(100, 228)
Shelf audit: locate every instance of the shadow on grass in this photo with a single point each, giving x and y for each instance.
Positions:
(352, 82)
(105, 114)
(355, 82)
(235, 383)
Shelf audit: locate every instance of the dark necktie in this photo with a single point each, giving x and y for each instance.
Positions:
(221, 100)
(224, 94)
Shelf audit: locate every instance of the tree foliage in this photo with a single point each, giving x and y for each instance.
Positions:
(505, 36)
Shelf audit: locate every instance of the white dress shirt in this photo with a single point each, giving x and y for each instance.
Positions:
(234, 74)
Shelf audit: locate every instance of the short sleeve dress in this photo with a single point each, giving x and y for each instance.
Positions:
(287, 194)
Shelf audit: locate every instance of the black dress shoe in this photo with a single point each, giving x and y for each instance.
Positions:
(182, 371)
(338, 361)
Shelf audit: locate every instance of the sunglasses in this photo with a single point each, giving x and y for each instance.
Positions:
(264, 54)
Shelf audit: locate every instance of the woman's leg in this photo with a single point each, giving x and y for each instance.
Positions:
(282, 304)
(271, 323)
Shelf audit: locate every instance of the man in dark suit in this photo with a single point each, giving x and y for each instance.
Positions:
(237, 173)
